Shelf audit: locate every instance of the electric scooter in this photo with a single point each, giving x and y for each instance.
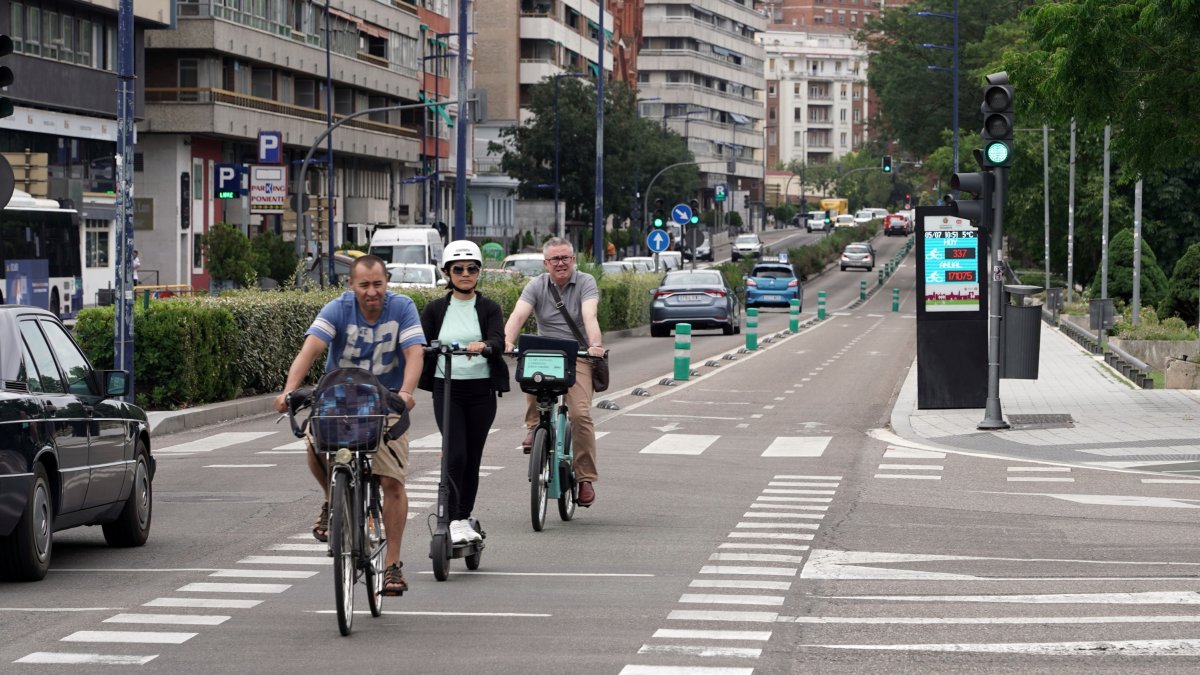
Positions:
(441, 548)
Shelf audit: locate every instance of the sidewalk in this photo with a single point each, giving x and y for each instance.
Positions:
(1112, 424)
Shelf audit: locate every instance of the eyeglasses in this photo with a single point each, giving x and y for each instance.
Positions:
(468, 269)
(560, 259)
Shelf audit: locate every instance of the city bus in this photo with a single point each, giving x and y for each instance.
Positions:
(41, 229)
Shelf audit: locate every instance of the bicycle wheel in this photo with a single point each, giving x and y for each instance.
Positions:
(566, 480)
(539, 478)
(341, 541)
(374, 546)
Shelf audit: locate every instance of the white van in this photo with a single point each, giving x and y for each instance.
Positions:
(421, 245)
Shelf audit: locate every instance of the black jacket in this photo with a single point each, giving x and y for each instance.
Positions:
(491, 326)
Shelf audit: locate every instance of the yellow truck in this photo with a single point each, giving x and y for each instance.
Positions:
(838, 206)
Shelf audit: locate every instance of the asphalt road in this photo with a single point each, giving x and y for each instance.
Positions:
(749, 520)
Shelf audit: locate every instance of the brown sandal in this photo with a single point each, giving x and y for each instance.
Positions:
(320, 528)
(393, 580)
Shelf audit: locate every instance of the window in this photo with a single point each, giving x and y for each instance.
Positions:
(74, 363)
(306, 93)
(29, 372)
(262, 83)
(771, 90)
(343, 100)
(857, 115)
(797, 138)
(843, 135)
(796, 115)
(50, 34)
(17, 27)
(96, 243)
(49, 380)
(189, 79)
(33, 32)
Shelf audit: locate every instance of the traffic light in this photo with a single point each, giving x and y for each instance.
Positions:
(659, 219)
(997, 121)
(746, 202)
(695, 204)
(887, 163)
(981, 185)
(6, 76)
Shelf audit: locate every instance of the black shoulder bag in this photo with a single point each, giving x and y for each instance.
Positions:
(599, 363)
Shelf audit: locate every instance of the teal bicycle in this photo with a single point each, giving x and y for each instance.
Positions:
(546, 369)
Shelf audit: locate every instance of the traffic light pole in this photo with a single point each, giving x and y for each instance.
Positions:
(993, 416)
(646, 195)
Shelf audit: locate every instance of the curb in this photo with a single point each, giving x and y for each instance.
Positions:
(175, 421)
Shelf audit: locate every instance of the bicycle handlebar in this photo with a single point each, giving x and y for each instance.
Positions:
(297, 400)
(453, 349)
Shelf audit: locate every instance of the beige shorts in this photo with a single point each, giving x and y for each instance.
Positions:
(390, 460)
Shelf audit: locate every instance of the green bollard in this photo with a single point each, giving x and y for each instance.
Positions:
(895, 299)
(146, 299)
(751, 329)
(820, 305)
(794, 315)
(862, 290)
(683, 350)
(880, 276)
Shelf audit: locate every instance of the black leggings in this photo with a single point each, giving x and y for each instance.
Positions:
(472, 410)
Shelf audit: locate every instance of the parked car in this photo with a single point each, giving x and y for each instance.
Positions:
(618, 266)
(71, 452)
(748, 246)
(496, 274)
(817, 220)
(642, 263)
(858, 255)
(844, 220)
(864, 216)
(414, 275)
(896, 223)
(879, 212)
(528, 264)
(773, 283)
(670, 260)
(700, 298)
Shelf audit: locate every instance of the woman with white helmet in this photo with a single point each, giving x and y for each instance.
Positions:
(464, 316)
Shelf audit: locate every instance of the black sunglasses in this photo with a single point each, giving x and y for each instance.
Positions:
(469, 269)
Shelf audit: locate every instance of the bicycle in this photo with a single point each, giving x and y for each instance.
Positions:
(546, 369)
(357, 541)
(441, 549)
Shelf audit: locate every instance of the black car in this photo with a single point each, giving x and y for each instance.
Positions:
(71, 452)
(700, 298)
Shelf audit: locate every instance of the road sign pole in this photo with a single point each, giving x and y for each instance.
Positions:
(683, 350)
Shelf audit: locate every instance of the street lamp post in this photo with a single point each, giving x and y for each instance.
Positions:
(953, 69)
(559, 227)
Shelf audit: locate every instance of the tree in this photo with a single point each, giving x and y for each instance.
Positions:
(274, 258)
(1182, 291)
(1131, 63)
(1120, 272)
(635, 149)
(228, 254)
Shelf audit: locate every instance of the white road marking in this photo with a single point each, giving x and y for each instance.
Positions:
(756, 571)
(756, 557)
(916, 476)
(741, 583)
(1123, 647)
(789, 484)
(433, 440)
(170, 619)
(989, 620)
(316, 548)
(714, 615)
(811, 500)
(769, 514)
(239, 466)
(793, 507)
(1038, 479)
(550, 574)
(280, 452)
(1019, 469)
(793, 477)
(420, 613)
(59, 609)
(141, 637)
(719, 599)
(679, 444)
(1122, 500)
(763, 546)
(301, 445)
(1182, 481)
(264, 574)
(701, 651)
(770, 535)
(680, 634)
(797, 446)
(904, 467)
(743, 425)
(214, 442)
(284, 560)
(779, 526)
(911, 453)
(202, 587)
(74, 659)
(687, 417)
(1141, 598)
(790, 500)
(203, 603)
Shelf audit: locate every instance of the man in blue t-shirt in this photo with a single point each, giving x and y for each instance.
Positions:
(372, 328)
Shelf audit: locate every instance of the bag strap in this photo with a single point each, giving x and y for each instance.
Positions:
(558, 304)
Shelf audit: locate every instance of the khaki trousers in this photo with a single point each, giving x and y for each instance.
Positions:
(579, 411)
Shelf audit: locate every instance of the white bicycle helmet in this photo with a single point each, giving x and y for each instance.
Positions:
(461, 250)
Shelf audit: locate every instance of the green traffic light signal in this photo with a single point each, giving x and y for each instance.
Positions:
(997, 153)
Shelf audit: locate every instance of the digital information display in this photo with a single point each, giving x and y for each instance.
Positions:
(951, 250)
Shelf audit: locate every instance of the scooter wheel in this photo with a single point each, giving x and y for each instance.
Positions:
(472, 560)
(439, 550)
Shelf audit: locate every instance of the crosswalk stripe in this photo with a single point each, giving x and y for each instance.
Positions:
(295, 445)
(765, 546)
(239, 466)
(807, 484)
(905, 467)
(786, 484)
(264, 574)
(299, 547)
(702, 651)
(215, 442)
(768, 514)
(674, 633)
(716, 615)
(140, 637)
(756, 557)
(1039, 469)
(910, 476)
(169, 619)
(769, 498)
(202, 587)
(686, 670)
(679, 444)
(757, 571)
(797, 446)
(720, 599)
(741, 583)
(779, 526)
(790, 507)
(1038, 479)
(283, 560)
(76, 659)
(770, 535)
(203, 603)
(811, 500)
(794, 477)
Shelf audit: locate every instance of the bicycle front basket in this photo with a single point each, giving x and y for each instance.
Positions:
(349, 410)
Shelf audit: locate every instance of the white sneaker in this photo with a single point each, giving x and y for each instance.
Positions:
(459, 530)
(472, 535)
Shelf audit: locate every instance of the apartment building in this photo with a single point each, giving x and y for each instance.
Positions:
(62, 136)
(847, 15)
(232, 71)
(817, 104)
(525, 42)
(701, 72)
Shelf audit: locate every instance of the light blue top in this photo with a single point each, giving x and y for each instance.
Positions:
(377, 347)
(461, 325)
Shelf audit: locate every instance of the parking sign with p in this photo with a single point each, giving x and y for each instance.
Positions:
(270, 147)
(227, 181)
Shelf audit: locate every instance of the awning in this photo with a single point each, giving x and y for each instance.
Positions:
(344, 15)
(595, 69)
(374, 31)
(739, 119)
(440, 109)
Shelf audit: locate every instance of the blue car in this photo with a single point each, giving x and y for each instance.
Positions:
(773, 283)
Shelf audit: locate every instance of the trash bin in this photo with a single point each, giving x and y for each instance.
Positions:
(1100, 314)
(1054, 300)
(1022, 333)
(105, 297)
